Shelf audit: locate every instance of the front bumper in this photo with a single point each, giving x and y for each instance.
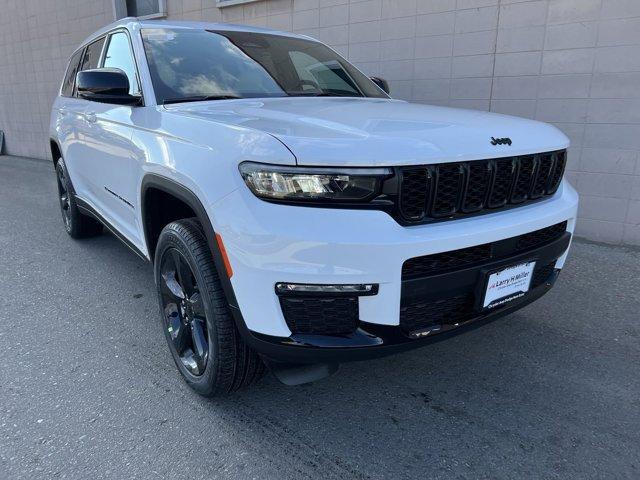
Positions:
(268, 243)
(370, 340)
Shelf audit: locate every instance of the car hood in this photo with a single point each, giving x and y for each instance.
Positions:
(379, 132)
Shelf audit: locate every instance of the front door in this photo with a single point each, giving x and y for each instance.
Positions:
(111, 153)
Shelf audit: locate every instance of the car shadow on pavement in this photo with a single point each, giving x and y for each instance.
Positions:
(498, 395)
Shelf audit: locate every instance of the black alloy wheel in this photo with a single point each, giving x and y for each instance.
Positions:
(204, 341)
(63, 197)
(184, 313)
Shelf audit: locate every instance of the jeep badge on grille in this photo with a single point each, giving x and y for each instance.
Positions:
(501, 141)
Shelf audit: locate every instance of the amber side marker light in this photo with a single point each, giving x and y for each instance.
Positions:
(225, 257)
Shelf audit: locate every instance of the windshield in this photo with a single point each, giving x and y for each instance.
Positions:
(190, 64)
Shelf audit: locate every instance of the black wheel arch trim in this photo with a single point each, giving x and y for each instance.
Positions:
(72, 189)
(152, 180)
(54, 160)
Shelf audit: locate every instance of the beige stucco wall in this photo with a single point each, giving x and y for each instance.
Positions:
(574, 63)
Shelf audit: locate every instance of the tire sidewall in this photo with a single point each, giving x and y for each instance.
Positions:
(60, 166)
(169, 238)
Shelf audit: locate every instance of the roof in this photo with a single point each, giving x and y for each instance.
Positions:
(133, 24)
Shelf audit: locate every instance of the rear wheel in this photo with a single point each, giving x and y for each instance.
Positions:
(76, 224)
(204, 341)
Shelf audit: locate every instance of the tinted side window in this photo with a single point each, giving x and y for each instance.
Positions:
(92, 55)
(70, 77)
(119, 56)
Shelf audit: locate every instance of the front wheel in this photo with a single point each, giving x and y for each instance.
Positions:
(204, 341)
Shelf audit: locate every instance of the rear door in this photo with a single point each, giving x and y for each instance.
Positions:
(110, 151)
(69, 120)
(81, 160)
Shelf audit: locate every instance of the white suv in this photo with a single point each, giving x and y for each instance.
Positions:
(297, 216)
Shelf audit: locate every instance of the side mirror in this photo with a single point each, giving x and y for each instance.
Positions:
(105, 85)
(382, 83)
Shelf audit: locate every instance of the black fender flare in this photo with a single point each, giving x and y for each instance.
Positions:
(53, 140)
(152, 180)
(291, 373)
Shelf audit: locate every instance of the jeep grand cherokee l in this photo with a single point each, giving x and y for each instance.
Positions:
(296, 216)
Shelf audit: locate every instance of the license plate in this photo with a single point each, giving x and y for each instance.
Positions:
(508, 284)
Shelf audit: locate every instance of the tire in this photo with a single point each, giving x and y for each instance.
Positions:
(76, 224)
(189, 289)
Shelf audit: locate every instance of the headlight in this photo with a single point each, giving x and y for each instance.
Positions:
(312, 184)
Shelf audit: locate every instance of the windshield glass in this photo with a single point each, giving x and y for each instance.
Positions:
(190, 64)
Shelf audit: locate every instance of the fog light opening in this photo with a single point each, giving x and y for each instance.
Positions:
(359, 289)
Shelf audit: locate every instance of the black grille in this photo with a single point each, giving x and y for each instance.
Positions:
(320, 315)
(543, 173)
(414, 195)
(541, 237)
(478, 180)
(467, 257)
(522, 185)
(420, 315)
(542, 273)
(448, 183)
(453, 189)
(502, 180)
(558, 172)
(441, 262)
(424, 314)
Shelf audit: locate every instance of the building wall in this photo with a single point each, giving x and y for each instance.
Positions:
(573, 63)
(36, 39)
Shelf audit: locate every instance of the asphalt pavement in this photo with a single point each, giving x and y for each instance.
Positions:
(88, 388)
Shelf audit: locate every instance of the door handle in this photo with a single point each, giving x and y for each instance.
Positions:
(90, 117)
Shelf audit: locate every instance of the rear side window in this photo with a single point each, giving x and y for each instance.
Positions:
(92, 55)
(70, 77)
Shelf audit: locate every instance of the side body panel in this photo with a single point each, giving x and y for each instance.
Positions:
(67, 121)
(108, 164)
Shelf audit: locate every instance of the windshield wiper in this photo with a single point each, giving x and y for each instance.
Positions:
(335, 94)
(325, 93)
(199, 98)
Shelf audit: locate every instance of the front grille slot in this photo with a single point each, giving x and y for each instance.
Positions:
(478, 179)
(503, 179)
(415, 192)
(448, 190)
(545, 166)
(522, 185)
(558, 171)
(319, 315)
(438, 263)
